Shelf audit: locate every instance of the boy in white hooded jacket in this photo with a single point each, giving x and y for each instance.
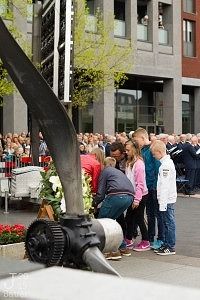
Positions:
(166, 194)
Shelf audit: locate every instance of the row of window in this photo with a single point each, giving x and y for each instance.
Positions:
(143, 22)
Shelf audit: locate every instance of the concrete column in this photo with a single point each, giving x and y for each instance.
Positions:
(15, 109)
(104, 109)
(14, 114)
(104, 113)
(172, 106)
(196, 110)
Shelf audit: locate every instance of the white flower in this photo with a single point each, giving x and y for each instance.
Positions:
(85, 190)
(55, 183)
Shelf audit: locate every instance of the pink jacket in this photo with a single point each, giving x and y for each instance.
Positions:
(138, 179)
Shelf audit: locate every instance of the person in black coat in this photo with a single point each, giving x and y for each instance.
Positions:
(197, 177)
(190, 158)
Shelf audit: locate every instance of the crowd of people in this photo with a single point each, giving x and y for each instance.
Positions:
(135, 176)
(132, 174)
(183, 148)
(13, 145)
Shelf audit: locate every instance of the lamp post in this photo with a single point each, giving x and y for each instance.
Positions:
(116, 108)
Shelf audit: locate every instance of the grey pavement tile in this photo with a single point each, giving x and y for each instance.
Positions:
(142, 267)
(185, 276)
(190, 261)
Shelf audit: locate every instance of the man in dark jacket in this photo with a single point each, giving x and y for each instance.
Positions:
(115, 190)
(189, 158)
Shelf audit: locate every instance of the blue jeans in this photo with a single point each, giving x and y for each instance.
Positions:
(114, 205)
(168, 219)
(153, 214)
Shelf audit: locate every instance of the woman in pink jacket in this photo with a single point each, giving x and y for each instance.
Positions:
(135, 171)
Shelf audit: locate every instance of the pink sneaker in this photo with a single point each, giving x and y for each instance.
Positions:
(142, 246)
(129, 243)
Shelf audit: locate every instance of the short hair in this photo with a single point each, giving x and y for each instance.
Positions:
(188, 137)
(142, 132)
(117, 146)
(158, 146)
(110, 162)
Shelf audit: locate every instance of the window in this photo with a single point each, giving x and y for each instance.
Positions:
(188, 38)
(29, 13)
(189, 6)
(90, 5)
(119, 12)
(164, 21)
(142, 20)
(188, 112)
(91, 24)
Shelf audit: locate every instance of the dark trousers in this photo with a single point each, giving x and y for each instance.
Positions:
(190, 175)
(153, 215)
(136, 217)
(197, 177)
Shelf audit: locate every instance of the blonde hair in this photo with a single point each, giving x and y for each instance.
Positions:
(136, 153)
(158, 146)
(141, 132)
(99, 154)
(110, 162)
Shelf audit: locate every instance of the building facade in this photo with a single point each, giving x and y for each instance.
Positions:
(152, 95)
(191, 65)
(163, 87)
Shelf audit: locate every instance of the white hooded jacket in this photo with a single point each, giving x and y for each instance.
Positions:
(166, 184)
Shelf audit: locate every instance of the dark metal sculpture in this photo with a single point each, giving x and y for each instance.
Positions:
(71, 241)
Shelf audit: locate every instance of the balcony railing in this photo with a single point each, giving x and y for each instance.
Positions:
(162, 36)
(91, 24)
(142, 34)
(119, 28)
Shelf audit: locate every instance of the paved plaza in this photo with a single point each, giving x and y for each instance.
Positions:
(180, 269)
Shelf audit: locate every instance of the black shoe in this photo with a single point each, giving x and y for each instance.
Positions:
(166, 251)
(159, 249)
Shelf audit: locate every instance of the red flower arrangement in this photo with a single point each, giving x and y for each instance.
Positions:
(12, 234)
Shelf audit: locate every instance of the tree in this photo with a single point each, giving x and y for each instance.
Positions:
(98, 60)
(6, 12)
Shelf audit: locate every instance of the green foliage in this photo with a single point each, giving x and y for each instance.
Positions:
(51, 190)
(6, 12)
(6, 85)
(98, 59)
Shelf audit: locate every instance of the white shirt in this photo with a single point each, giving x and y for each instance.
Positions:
(166, 184)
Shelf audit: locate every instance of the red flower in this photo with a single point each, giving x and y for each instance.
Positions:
(12, 234)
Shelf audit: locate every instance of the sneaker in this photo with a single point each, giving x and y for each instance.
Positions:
(125, 252)
(151, 244)
(142, 246)
(156, 244)
(166, 251)
(129, 243)
(115, 255)
(160, 249)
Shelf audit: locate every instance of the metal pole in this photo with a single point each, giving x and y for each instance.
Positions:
(117, 125)
(6, 203)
